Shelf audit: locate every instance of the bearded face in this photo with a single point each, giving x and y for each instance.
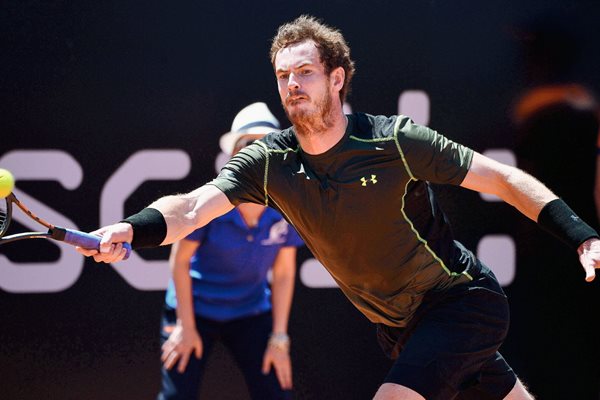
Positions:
(305, 88)
(309, 111)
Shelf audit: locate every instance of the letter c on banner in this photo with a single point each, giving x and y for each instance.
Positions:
(142, 166)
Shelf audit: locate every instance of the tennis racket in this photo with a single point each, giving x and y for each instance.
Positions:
(70, 236)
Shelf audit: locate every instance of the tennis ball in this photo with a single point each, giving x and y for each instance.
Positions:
(7, 183)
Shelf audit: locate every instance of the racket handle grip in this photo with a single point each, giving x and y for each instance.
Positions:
(88, 241)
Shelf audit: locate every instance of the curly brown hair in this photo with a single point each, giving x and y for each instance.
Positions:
(333, 49)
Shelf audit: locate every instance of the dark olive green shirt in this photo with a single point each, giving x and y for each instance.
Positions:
(364, 208)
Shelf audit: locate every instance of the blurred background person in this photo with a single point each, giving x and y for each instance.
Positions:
(220, 290)
(556, 120)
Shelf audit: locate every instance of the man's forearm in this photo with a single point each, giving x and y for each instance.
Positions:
(172, 218)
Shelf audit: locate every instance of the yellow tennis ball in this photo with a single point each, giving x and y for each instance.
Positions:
(7, 183)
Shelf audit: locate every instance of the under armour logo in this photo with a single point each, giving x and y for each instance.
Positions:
(365, 180)
(575, 218)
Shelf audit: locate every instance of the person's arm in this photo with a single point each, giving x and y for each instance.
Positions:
(533, 199)
(514, 186)
(282, 288)
(186, 212)
(177, 216)
(185, 338)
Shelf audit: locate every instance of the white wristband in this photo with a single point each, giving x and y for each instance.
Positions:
(280, 341)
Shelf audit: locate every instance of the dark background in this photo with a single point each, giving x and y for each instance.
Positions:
(102, 80)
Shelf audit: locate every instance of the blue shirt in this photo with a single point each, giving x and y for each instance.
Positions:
(229, 269)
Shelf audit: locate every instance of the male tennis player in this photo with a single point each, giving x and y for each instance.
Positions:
(356, 189)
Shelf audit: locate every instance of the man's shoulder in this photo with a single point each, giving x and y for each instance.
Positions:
(279, 142)
(368, 126)
(282, 141)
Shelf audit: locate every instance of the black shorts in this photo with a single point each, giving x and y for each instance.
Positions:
(451, 345)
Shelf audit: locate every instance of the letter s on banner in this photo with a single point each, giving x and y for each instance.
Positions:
(44, 277)
(142, 166)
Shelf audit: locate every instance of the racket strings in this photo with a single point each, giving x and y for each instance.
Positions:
(4, 217)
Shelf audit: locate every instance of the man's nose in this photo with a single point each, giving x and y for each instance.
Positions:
(293, 82)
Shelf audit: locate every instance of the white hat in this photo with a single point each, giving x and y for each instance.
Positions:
(253, 119)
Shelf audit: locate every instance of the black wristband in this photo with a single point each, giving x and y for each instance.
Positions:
(558, 219)
(149, 228)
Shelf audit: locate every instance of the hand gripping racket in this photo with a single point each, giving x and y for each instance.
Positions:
(70, 236)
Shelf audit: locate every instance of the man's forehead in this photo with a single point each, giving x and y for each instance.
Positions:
(297, 54)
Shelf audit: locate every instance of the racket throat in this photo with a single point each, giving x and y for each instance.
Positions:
(57, 233)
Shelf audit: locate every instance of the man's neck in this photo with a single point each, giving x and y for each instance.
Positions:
(315, 143)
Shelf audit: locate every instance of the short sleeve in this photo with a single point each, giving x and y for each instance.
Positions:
(197, 235)
(242, 178)
(293, 239)
(431, 156)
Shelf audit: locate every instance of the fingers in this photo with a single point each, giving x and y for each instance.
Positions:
(86, 252)
(590, 272)
(283, 370)
(167, 348)
(282, 364)
(284, 376)
(178, 349)
(111, 253)
(183, 362)
(111, 243)
(185, 355)
(589, 256)
(266, 365)
(198, 349)
(168, 359)
(170, 355)
(106, 244)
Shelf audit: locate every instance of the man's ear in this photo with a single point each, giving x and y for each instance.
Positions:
(337, 78)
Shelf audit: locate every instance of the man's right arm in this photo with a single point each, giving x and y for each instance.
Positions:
(182, 214)
(185, 213)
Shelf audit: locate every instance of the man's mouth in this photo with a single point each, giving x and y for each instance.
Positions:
(295, 98)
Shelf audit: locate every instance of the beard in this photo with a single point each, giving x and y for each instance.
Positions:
(312, 121)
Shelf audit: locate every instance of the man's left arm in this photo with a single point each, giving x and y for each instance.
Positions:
(533, 199)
